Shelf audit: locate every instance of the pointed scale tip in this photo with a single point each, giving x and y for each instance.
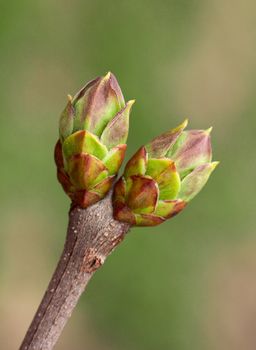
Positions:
(129, 105)
(131, 102)
(107, 76)
(215, 164)
(70, 98)
(181, 127)
(184, 124)
(209, 130)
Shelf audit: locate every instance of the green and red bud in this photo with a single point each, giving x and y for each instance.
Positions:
(163, 176)
(93, 131)
(192, 149)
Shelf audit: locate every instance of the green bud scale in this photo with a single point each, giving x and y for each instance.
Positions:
(93, 131)
(163, 176)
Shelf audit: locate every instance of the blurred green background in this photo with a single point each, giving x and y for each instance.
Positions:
(189, 284)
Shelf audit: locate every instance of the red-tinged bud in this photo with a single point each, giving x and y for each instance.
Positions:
(162, 177)
(192, 149)
(93, 132)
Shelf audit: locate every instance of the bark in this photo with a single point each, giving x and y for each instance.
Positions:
(91, 236)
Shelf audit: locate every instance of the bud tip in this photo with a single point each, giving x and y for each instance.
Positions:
(70, 98)
(215, 164)
(185, 123)
(107, 76)
(208, 131)
(131, 102)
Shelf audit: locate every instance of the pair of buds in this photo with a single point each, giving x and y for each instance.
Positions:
(158, 181)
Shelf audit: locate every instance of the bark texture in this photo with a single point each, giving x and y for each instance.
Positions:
(92, 235)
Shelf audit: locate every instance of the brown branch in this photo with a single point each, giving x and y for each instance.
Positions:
(92, 235)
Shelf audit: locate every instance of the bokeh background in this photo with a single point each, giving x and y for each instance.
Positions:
(189, 284)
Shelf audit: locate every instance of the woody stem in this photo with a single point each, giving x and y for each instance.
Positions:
(91, 236)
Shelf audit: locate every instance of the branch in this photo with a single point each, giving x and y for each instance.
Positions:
(91, 236)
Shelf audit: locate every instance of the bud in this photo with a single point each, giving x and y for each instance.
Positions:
(163, 176)
(93, 131)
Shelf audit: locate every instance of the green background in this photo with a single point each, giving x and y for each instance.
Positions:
(189, 284)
